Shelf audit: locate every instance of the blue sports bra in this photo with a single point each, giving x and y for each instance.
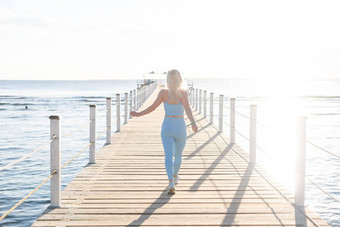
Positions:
(173, 109)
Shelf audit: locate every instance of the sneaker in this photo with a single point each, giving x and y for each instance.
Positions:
(177, 179)
(171, 188)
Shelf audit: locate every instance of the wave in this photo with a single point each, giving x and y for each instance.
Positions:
(13, 97)
(322, 96)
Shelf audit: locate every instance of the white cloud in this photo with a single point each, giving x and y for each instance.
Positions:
(42, 39)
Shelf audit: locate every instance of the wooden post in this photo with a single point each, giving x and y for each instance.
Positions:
(126, 103)
(143, 95)
(130, 104)
(196, 101)
(205, 104)
(252, 143)
(108, 120)
(149, 90)
(220, 124)
(55, 161)
(134, 100)
(92, 139)
(211, 107)
(200, 102)
(300, 162)
(232, 120)
(193, 97)
(118, 111)
(137, 99)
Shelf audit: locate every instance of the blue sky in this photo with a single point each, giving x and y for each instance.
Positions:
(81, 39)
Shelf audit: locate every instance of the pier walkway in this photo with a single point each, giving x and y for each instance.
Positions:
(218, 187)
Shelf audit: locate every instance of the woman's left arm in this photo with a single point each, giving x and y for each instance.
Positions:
(151, 108)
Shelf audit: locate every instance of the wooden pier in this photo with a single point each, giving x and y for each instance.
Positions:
(219, 187)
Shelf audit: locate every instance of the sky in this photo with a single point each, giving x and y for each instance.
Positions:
(83, 39)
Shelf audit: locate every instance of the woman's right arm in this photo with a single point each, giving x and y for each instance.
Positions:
(188, 111)
(151, 108)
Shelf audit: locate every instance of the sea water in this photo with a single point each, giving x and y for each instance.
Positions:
(26, 105)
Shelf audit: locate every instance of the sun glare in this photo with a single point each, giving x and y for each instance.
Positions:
(277, 116)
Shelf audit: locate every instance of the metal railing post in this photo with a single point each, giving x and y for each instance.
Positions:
(108, 120)
(126, 103)
(300, 162)
(55, 157)
(130, 103)
(92, 139)
(220, 124)
(211, 107)
(205, 104)
(252, 142)
(200, 102)
(118, 111)
(232, 120)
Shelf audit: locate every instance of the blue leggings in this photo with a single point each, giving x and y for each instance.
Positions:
(174, 136)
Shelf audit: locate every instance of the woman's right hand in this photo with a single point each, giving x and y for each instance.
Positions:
(134, 114)
(194, 128)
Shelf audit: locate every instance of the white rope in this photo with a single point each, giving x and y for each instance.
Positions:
(103, 114)
(77, 130)
(331, 153)
(28, 195)
(27, 155)
(102, 132)
(241, 135)
(323, 190)
(226, 123)
(68, 162)
(226, 107)
(242, 115)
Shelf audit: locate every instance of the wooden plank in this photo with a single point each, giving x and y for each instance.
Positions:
(218, 187)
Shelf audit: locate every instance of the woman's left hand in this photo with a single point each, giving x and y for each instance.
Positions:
(134, 114)
(194, 128)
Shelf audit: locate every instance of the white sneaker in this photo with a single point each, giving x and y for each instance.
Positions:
(176, 179)
(171, 188)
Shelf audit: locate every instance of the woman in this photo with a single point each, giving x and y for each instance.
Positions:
(173, 131)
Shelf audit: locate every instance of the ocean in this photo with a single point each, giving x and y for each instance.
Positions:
(26, 105)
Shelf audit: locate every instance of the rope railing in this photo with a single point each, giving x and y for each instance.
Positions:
(195, 100)
(226, 123)
(139, 98)
(27, 155)
(323, 190)
(102, 132)
(27, 196)
(77, 130)
(242, 115)
(264, 125)
(103, 114)
(243, 136)
(265, 152)
(75, 156)
(320, 148)
(227, 107)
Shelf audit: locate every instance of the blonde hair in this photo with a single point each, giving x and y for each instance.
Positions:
(174, 82)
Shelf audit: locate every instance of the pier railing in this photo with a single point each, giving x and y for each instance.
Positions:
(132, 101)
(197, 101)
